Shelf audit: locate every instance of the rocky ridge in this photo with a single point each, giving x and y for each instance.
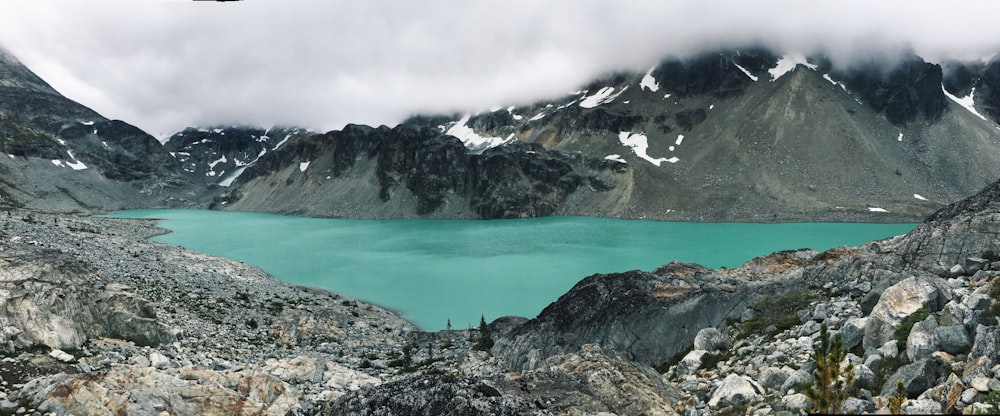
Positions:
(178, 332)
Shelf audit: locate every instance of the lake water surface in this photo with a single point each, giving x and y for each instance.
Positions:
(435, 270)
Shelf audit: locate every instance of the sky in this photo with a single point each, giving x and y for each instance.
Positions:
(164, 65)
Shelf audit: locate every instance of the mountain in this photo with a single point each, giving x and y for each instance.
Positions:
(737, 135)
(58, 155)
(217, 155)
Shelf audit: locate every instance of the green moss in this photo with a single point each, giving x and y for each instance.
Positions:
(776, 313)
(903, 331)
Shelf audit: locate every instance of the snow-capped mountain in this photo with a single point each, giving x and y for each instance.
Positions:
(726, 135)
(218, 155)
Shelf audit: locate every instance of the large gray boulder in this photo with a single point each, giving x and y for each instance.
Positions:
(711, 339)
(985, 353)
(916, 377)
(954, 339)
(735, 390)
(922, 340)
(895, 304)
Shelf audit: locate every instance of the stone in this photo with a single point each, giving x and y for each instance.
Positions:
(711, 339)
(954, 339)
(956, 271)
(896, 304)
(864, 377)
(856, 406)
(797, 379)
(820, 313)
(158, 360)
(796, 403)
(975, 264)
(984, 354)
(916, 377)
(889, 350)
(969, 395)
(734, 390)
(61, 355)
(873, 361)
(981, 384)
(922, 340)
(773, 378)
(954, 313)
(691, 362)
(922, 407)
(853, 332)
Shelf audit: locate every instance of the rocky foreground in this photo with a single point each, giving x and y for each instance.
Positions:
(98, 320)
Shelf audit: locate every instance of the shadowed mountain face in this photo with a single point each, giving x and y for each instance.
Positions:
(737, 135)
(60, 155)
(742, 135)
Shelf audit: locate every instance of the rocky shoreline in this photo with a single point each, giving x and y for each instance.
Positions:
(97, 319)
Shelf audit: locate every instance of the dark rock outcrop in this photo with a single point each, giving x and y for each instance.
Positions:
(910, 90)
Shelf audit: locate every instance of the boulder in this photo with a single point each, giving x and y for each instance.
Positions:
(864, 377)
(711, 339)
(691, 362)
(796, 403)
(797, 379)
(922, 407)
(975, 264)
(916, 377)
(856, 406)
(735, 390)
(922, 340)
(773, 378)
(985, 353)
(954, 339)
(896, 304)
(852, 332)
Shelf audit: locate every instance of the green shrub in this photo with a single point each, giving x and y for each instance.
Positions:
(828, 390)
(776, 313)
(903, 331)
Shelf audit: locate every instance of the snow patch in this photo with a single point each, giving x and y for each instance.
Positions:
(919, 197)
(648, 82)
(616, 158)
(228, 181)
(473, 142)
(105, 145)
(639, 144)
(787, 64)
(832, 81)
(877, 209)
(510, 110)
(211, 165)
(58, 162)
(282, 141)
(751, 76)
(87, 123)
(666, 96)
(604, 96)
(74, 163)
(680, 139)
(966, 102)
(216, 130)
(538, 116)
(711, 106)
(900, 138)
(304, 165)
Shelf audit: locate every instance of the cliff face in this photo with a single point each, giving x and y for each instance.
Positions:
(409, 171)
(736, 135)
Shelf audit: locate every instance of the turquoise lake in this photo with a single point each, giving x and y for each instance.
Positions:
(431, 271)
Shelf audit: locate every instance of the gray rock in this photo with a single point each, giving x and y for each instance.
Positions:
(895, 304)
(853, 332)
(873, 361)
(985, 353)
(711, 339)
(796, 403)
(921, 407)
(864, 377)
(954, 313)
(889, 350)
(734, 390)
(922, 340)
(820, 313)
(856, 406)
(954, 339)
(956, 271)
(916, 377)
(773, 378)
(691, 362)
(797, 379)
(975, 264)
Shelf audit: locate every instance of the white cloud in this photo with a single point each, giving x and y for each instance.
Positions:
(167, 64)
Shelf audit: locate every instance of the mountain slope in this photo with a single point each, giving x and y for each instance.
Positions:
(58, 155)
(732, 135)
